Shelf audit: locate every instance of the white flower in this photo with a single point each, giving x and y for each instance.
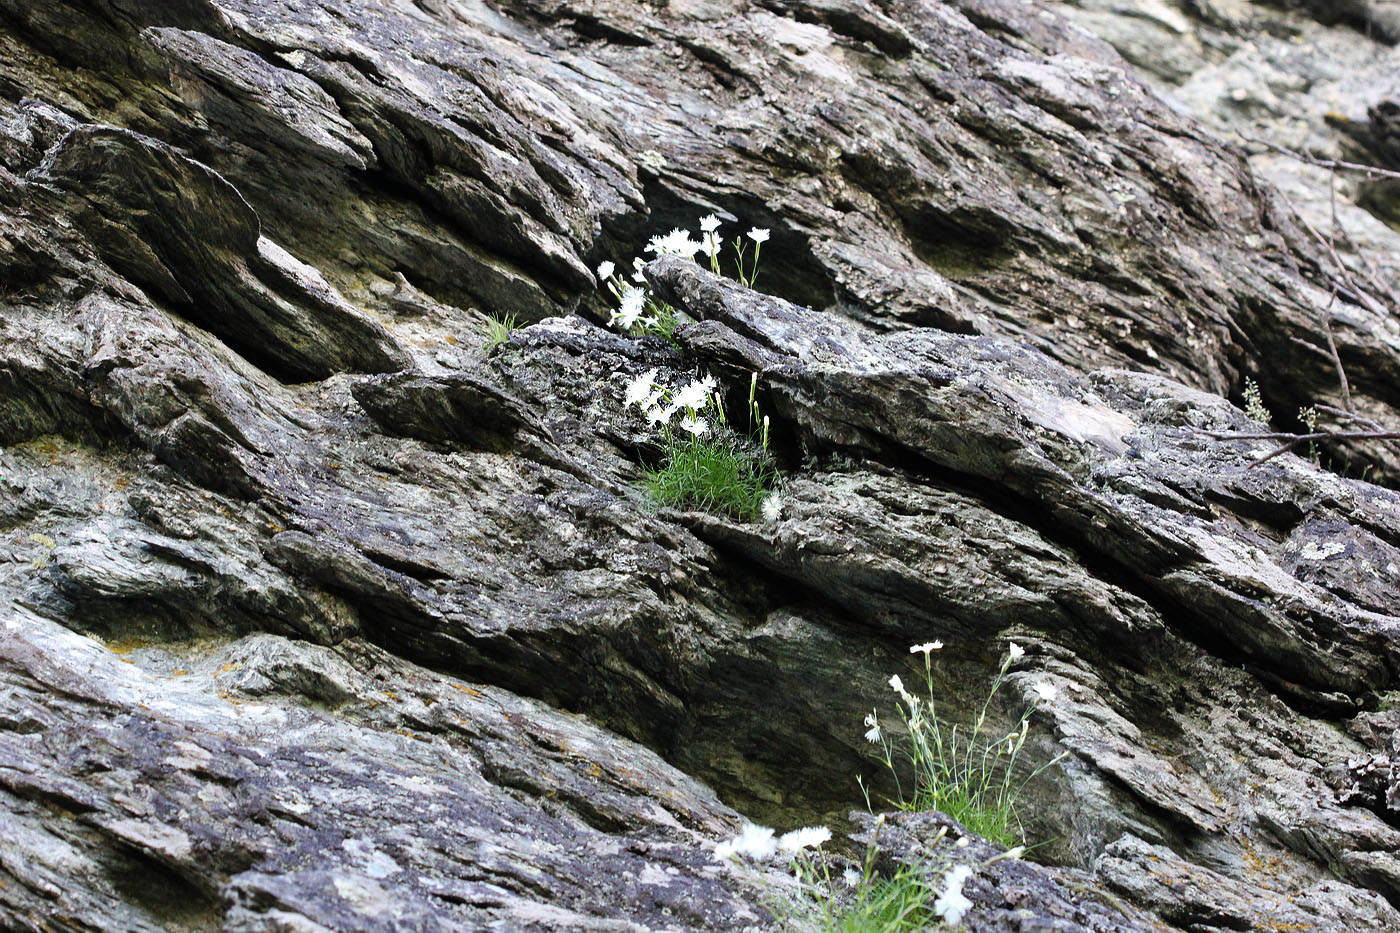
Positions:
(605, 270)
(657, 415)
(633, 302)
(759, 234)
(1046, 691)
(675, 243)
(897, 685)
(1016, 651)
(694, 425)
(926, 647)
(952, 904)
(709, 223)
(772, 507)
(1015, 852)
(804, 838)
(694, 395)
(851, 877)
(711, 245)
(962, 842)
(754, 841)
(640, 389)
(873, 734)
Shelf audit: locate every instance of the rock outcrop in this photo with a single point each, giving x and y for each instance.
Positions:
(316, 615)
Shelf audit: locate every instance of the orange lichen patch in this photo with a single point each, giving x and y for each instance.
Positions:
(1263, 869)
(231, 666)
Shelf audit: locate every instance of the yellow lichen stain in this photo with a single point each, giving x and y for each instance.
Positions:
(231, 666)
(44, 540)
(179, 672)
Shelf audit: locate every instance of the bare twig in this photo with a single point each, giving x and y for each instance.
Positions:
(1333, 164)
(1290, 441)
(1332, 350)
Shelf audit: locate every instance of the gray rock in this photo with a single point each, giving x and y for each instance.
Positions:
(315, 617)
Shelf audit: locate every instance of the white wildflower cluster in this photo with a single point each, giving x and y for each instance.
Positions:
(757, 842)
(661, 404)
(637, 310)
(952, 903)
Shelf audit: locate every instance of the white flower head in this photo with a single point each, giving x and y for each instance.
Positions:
(897, 686)
(952, 903)
(754, 841)
(711, 245)
(1016, 651)
(772, 507)
(926, 647)
(851, 877)
(640, 389)
(873, 733)
(694, 396)
(759, 234)
(709, 223)
(804, 838)
(632, 301)
(675, 243)
(606, 269)
(1045, 691)
(657, 415)
(697, 426)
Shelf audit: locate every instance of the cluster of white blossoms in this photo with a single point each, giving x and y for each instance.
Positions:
(662, 404)
(635, 306)
(757, 842)
(952, 903)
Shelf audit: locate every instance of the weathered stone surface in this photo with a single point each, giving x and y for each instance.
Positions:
(314, 616)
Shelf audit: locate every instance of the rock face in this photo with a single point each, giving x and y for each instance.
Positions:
(318, 616)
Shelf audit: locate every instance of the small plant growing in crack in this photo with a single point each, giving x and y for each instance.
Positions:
(970, 774)
(706, 463)
(638, 312)
(498, 331)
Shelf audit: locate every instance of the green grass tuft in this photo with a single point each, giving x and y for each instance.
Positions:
(723, 474)
(498, 331)
(886, 905)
